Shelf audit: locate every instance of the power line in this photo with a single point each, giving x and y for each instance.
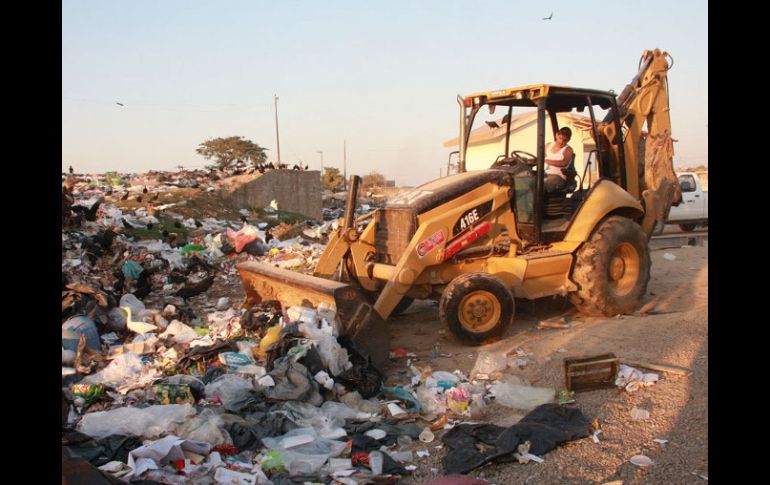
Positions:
(174, 107)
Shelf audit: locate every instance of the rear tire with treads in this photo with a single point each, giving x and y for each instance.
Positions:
(612, 269)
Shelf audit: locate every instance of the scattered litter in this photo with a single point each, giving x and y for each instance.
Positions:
(155, 348)
(558, 323)
(377, 434)
(669, 256)
(660, 441)
(427, 436)
(632, 379)
(641, 460)
(395, 410)
(565, 396)
(521, 396)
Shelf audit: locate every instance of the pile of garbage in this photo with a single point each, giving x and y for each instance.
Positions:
(161, 383)
(266, 396)
(248, 396)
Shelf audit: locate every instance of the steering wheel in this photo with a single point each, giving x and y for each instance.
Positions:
(524, 157)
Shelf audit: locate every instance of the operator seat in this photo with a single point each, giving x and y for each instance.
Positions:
(557, 204)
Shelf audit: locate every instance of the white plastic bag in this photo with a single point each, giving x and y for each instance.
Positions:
(520, 396)
(430, 400)
(231, 389)
(126, 368)
(132, 302)
(146, 422)
(207, 427)
(304, 451)
(179, 333)
(333, 356)
(493, 358)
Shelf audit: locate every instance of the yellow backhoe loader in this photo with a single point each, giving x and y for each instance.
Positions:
(477, 240)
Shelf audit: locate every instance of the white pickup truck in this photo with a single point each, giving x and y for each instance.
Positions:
(694, 209)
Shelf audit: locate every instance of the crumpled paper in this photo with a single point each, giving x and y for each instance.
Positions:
(632, 379)
(162, 452)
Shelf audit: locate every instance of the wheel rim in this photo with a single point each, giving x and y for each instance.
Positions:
(479, 311)
(623, 269)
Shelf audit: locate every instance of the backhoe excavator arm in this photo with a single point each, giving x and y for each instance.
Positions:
(649, 160)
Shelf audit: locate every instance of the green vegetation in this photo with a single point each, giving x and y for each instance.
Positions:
(331, 179)
(114, 179)
(281, 216)
(374, 179)
(166, 223)
(225, 151)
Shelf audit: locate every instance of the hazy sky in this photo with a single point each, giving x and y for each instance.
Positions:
(382, 75)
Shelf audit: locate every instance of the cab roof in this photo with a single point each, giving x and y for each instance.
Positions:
(560, 98)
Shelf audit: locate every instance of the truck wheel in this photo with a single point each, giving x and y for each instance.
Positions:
(687, 227)
(612, 269)
(476, 307)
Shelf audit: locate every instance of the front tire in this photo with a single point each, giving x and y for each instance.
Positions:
(612, 269)
(476, 307)
(687, 227)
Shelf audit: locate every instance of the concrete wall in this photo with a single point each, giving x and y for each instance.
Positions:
(293, 190)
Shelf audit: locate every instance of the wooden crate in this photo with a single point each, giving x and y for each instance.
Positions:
(589, 373)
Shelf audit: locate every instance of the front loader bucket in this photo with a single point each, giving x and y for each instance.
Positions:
(357, 318)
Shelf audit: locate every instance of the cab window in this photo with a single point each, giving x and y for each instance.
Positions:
(687, 183)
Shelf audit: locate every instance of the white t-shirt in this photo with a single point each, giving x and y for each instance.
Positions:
(549, 155)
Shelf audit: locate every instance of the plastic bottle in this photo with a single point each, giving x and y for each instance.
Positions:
(375, 462)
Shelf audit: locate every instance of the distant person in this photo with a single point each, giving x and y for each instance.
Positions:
(71, 170)
(558, 154)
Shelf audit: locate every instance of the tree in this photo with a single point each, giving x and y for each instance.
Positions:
(225, 151)
(374, 179)
(331, 178)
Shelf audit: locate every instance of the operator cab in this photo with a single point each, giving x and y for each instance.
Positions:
(531, 117)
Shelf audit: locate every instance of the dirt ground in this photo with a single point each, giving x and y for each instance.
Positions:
(674, 333)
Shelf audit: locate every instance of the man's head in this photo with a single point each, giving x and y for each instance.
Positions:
(564, 132)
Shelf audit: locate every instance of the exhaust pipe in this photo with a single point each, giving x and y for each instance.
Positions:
(350, 204)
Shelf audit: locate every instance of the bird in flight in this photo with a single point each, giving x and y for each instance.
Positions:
(492, 124)
(119, 104)
(549, 17)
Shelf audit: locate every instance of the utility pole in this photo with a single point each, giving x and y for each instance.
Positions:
(277, 140)
(345, 163)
